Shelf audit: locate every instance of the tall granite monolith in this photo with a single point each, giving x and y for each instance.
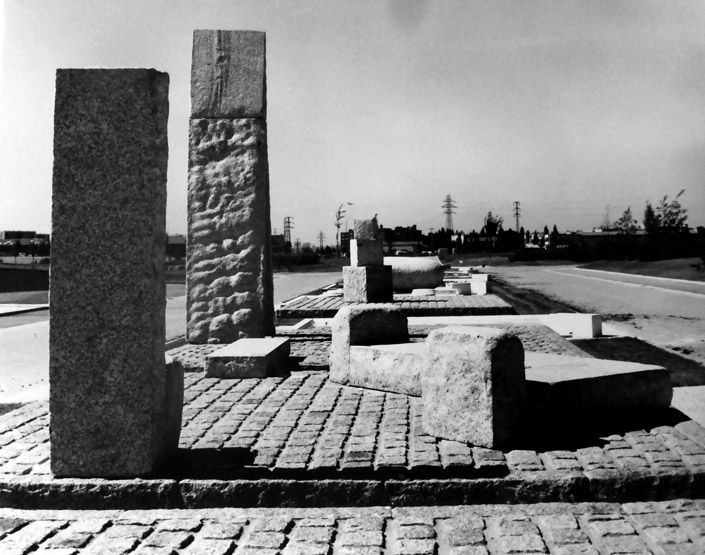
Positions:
(228, 259)
(115, 404)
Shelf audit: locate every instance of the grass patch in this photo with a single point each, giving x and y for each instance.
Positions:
(692, 269)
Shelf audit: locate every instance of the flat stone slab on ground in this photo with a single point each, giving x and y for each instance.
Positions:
(572, 383)
(310, 306)
(258, 357)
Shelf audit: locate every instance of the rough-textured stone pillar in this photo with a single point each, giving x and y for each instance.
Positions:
(367, 279)
(228, 259)
(115, 405)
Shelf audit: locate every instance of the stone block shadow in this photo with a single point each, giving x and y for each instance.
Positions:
(683, 371)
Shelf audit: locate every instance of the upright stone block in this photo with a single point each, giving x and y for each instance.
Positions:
(366, 253)
(115, 408)
(228, 261)
(367, 284)
(474, 388)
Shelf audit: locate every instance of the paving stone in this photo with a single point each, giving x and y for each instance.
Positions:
(250, 357)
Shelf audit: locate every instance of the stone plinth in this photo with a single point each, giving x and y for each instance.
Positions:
(478, 287)
(250, 358)
(367, 284)
(558, 384)
(473, 389)
(370, 324)
(396, 368)
(228, 260)
(113, 400)
(366, 253)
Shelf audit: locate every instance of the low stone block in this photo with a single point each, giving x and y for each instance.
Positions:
(250, 358)
(473, 388)
(478, 287)
(367, 284)
(479, 277)
(423, 292)
(557, 383)
(370, 324)
(463, 288)
(396, 368)
(579, 326)
(366, 253)
(445, 291)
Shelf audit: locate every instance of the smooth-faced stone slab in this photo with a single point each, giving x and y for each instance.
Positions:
(115, 409)
(479, 277)
(445, 291)
(410, 272)
(396, 368)
(558, 383)
(366, 253)
(473, 388)
(228, 256)
(367, 284)
(423, 292)
(370, 324)
(228, 74)
(478, 287)
(250, 358)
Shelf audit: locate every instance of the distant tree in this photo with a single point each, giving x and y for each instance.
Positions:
(627, 223)
(492, 224)
(672, 216)
(545, 230)
(535, 238)
(522, 232)
(651, 221)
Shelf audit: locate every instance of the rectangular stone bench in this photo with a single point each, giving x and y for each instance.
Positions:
(250, 358)
(396, 367)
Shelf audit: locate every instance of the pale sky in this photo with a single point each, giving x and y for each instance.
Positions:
(567, 107)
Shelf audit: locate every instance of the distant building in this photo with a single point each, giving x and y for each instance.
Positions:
(176, 246)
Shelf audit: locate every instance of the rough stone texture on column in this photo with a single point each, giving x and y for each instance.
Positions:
(474, 388)
(115, 408)
(366, 253)
(369, 324)
(367, 284)
(228, 261)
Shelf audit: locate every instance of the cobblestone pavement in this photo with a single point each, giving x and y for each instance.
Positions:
(673, 527)
(324, 306)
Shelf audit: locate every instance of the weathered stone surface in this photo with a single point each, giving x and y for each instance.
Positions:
(396, 368)
(367, 284)
(371, 324)
(565, 383)
(410, 272)
(366, 253)
(473, 389)
(228, 74)
(108, 383)
(228, 267)
(365, 230)
(478, 287)
(463, 288)
(250, 358)
(228, 260)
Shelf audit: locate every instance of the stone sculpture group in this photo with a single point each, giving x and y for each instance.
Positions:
(115, 401)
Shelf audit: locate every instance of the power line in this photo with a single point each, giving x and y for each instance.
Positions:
(321, 237)
(448, 206)
(517, 211)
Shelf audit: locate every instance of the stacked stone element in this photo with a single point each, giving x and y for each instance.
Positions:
(115, 404)
(228, 260)
(367, 279)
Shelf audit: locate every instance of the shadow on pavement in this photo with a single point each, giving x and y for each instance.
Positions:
(683, 371)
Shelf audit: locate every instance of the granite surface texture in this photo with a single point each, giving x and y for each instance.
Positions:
(107, 370)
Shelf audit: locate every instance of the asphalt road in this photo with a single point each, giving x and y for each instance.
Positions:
(656, 310)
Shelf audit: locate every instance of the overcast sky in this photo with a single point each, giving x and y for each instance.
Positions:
(567, 107)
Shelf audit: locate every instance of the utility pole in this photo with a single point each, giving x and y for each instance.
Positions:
(448, 206)
(321, 236)
(288, 226)
(517, 211)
